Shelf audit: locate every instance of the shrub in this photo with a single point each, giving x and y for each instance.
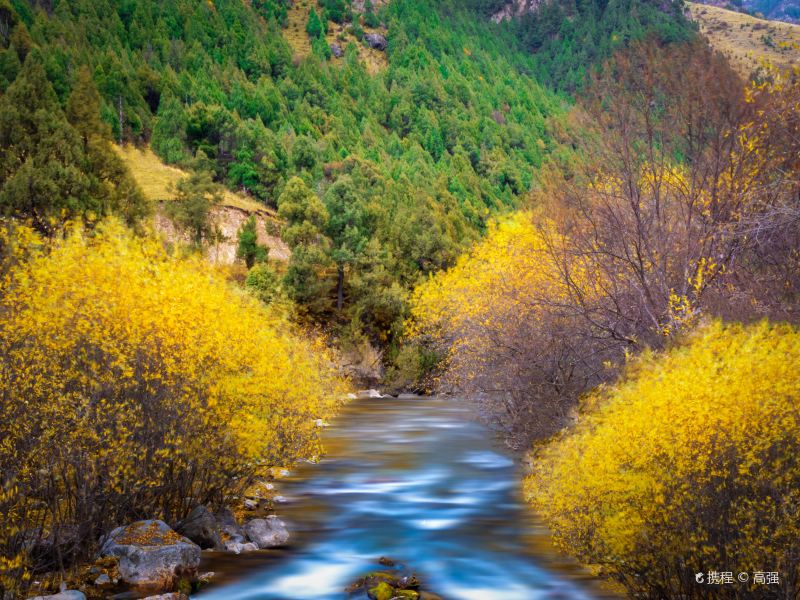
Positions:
(263, 282)
(502, 319)
(688, 465)
(134, 384)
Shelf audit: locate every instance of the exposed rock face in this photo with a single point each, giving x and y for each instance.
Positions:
(336, 50)
(376, 41)
(151, 554)
(516, 8)
(267, 533)
(229, 220)
(201, 527)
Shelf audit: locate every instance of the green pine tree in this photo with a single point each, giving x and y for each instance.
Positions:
(249, 250)
(42, 164)
(314, 27)
(306, 278)
(196, 197)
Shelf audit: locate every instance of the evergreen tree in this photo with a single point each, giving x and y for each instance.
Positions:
(370, 18)
(196, 196)
(169, 131)
(111, 184)
(314, 27)
(306, 276)
(249, 250)
(41, 158)
(348, 228)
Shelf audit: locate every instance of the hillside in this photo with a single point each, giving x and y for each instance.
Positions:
(158, 182)
(403, 147)
(773, 10)
(748, 41)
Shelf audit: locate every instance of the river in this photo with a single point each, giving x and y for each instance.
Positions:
(418, 480)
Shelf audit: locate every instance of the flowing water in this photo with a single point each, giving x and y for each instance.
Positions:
(417, 480)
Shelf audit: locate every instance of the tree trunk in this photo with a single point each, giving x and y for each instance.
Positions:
(340, 288)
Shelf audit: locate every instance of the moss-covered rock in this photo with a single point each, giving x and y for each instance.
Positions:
(382, 591)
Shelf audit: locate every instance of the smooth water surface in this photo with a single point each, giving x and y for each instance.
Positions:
(420, 481)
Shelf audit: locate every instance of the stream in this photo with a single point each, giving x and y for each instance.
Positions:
(418, 480)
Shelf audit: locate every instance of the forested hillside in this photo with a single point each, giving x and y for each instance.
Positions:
(408, 165)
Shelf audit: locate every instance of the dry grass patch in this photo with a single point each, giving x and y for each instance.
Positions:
(748, 41)
(295, 32)
(158, 180)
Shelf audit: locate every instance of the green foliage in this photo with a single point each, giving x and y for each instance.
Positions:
(315, 27)
(306, 279)
(320, 48)
(370, 18)
(56, 165)
(169, 132)
(450, 133)
(263, 282)
(568, 38)
(249, 250)
(196, 196)
(349, 228)
(335, 10)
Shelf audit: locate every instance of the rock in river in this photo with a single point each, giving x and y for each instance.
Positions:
(151, 554)
(202, 528)
(65, 595)
(267, 533)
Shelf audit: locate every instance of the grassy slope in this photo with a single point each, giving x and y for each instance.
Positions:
(746, 40)
(158, 180)
(295, 34)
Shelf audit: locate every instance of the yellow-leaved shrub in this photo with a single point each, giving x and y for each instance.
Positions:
(689, 464)
(503, 319)
(136, 384)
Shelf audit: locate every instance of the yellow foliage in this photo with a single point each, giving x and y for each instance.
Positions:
(689, 464)
(498, 318)
(132, 382)
(488, 289)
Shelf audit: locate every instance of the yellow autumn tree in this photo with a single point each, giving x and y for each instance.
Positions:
(502, 318)
(135, 384)
(688, 465)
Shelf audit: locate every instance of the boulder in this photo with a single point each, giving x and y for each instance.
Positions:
(382, 591)
(336, 50)
(233, 536)
(65, 595)
(239, 547)
(267, 533)
(376, 41)
(201, 527)
(151, 554)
